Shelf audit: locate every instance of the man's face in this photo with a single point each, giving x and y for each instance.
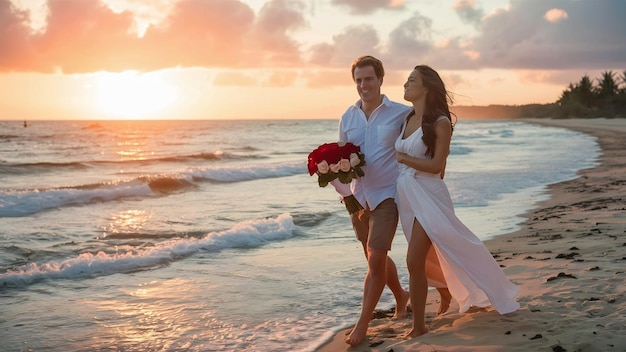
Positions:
(367, 84)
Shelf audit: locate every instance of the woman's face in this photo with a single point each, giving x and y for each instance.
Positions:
(414, 89)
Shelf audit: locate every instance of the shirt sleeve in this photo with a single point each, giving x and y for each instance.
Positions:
(343, 136)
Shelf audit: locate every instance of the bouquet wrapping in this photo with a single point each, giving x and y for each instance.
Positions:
(342, 161)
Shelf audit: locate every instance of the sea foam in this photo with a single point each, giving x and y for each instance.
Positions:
(246, 234)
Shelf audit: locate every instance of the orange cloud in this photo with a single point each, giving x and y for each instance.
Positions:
(86, 36)
(16, 51)
(328, 78)
(257, 77)
(555, 15)
(361, 7)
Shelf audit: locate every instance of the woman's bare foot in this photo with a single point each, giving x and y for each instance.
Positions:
(401, 306)
(415, 332)
(446, 297)
(356, 336)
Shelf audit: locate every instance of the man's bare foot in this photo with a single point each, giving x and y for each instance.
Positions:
(356, 336)
(401, 306)
(446, 297)
(415, 332)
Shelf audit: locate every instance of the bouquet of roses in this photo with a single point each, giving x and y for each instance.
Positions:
(341, 161)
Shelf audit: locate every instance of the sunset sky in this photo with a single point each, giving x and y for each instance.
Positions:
(248, 59)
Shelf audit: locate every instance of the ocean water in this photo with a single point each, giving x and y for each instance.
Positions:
(211, 235)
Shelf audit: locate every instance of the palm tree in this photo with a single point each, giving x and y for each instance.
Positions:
(567, 94)
(607, 88)
(583, 99)
(585, 91)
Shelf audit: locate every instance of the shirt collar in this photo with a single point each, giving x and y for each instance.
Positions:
(385, 101)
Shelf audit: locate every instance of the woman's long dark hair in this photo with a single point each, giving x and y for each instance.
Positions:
(437, 99)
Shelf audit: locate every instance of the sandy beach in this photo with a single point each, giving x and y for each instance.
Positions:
(569, 261)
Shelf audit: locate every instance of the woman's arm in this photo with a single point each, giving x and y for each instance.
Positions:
(436, 165)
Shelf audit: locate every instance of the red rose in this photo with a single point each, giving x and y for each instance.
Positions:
(332, 154)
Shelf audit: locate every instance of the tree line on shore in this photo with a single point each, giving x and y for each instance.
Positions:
(601, 97)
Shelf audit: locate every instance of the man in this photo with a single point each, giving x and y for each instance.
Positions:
(373, 123)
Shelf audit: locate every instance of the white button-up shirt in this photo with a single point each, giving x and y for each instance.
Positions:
(377, 137)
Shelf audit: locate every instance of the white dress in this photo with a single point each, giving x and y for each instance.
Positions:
(473, 277)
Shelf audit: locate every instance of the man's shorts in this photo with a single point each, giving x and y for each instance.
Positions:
(376, 228)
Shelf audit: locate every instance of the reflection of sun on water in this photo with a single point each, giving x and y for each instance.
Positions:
(150, 317)
(130, 94)
(130, 221)
(133, 150)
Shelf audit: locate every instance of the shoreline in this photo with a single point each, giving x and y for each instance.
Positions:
(567, 259)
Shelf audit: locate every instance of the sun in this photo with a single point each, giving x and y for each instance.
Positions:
(130, 94)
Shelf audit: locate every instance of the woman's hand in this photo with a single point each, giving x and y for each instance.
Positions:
(401, 157)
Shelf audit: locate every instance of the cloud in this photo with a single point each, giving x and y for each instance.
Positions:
(521, 37)
(362, 7)
(468, 11)
(346, 46)
(146, 12)
(15, 49)
(276, 19)
(82, 35)
(87, 36)
(255, 78)
(555, 15)
(200, 33)
(580, 34)
(326, 78)
(527, 34)
(410, 42)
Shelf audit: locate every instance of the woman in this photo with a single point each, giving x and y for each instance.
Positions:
(427, 215)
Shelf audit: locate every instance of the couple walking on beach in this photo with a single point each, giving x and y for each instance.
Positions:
(406, 148)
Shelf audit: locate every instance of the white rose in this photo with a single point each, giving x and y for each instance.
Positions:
(354, 160)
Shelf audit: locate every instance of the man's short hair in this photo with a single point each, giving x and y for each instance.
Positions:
(368, 60)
